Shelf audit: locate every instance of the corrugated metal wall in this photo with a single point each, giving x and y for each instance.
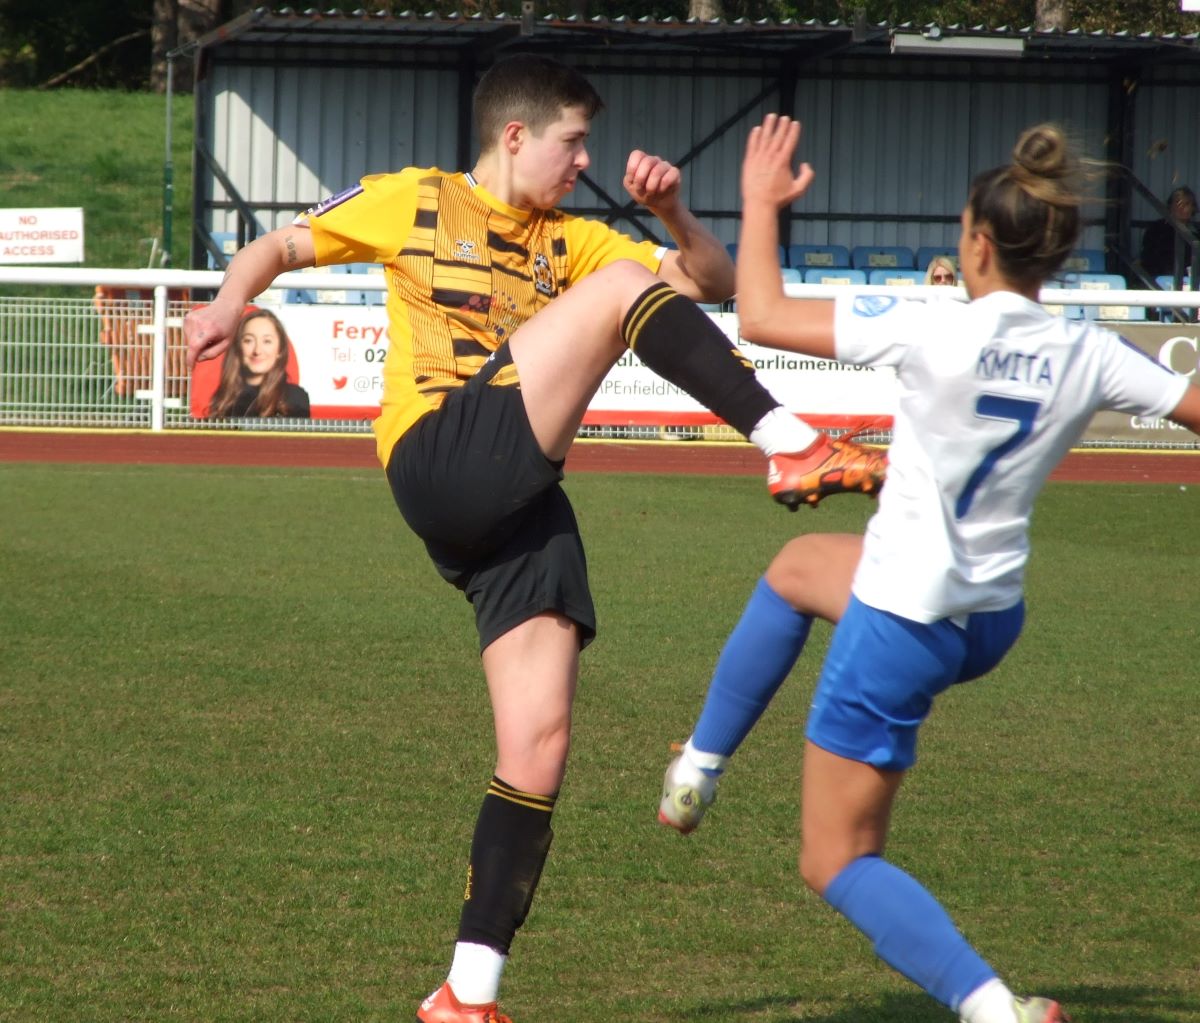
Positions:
(288, 132)
(894, 144)
(1166, 137)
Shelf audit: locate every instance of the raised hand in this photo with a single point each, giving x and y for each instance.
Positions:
(767, 175)
(651, 180)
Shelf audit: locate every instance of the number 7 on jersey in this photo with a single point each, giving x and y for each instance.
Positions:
(1022, 411)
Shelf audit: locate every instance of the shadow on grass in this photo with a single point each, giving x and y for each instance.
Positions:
(1085, 1004)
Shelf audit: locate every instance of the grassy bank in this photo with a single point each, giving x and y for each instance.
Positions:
(103, 151)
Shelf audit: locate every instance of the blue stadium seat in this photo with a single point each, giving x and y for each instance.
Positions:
(1167, 283)
(360, 296)
(305, 296)
(1115, 312)
(731, 248)
(1085, 261)
(896, 277)
(1103, 282)
(227, 243)
(1100, 282)
(926, 253)
(834, 275)
(802, 257)
(1071, 312)
(791, 275)
(882, 257)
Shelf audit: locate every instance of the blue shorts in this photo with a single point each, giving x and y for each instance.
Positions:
(883, 671)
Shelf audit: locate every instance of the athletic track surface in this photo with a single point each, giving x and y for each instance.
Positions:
(358, 451)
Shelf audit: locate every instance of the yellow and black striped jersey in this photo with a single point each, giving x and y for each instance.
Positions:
(464, 272)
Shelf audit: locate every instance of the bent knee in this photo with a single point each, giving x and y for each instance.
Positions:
(623, 280)
(794, 571)
(815, 872)
(820, 863)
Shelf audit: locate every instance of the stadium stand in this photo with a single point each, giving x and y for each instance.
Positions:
(802, 257)
(227, 243)
(1103, 282)
(1071, 312)
(834, 275)
(1085, 261)
(896, 277)
(731, 248)
(926, 253)
(872, 257)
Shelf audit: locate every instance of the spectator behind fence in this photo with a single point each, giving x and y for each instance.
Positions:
(1158, 243)
(254, 373)
(942, 271)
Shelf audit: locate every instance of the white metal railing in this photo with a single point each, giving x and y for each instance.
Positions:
(117, 357)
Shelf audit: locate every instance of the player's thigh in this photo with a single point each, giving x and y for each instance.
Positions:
(564, 352)
(878, 683)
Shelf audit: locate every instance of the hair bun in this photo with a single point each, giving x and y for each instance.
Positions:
(1042, 152)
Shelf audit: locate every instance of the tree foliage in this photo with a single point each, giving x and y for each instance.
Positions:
(121, 45)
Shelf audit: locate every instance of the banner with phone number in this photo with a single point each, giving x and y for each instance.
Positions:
(341, 349)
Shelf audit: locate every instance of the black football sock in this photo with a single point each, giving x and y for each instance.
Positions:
(512, 839)
(675, 339)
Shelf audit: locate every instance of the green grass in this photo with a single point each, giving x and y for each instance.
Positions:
(104, 151)
(243, 737)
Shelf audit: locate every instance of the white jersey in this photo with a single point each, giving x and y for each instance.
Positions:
(993, 393)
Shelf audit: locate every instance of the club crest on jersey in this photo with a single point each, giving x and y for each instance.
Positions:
(543, 279)
(465, 250)
(873, 305)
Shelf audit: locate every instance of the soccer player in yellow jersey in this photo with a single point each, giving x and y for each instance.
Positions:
(504, 316)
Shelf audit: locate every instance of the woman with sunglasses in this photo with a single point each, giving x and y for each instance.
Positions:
(993, 393)
(941, 270)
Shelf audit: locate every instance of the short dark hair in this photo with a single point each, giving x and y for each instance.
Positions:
(531, 89)
(1182, 192)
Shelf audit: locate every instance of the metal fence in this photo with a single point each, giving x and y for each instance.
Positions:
(112, 352)
(118, 358)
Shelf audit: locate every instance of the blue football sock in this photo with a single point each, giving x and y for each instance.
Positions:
(910, 930)
(756, 659)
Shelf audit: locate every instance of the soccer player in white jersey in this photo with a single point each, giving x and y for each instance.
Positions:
(992, 394)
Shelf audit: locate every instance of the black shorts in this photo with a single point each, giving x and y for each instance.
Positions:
(472, 483)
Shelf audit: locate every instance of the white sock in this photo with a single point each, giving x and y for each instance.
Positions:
(991, 1002)
(779, 432)
(475, 973)
(711, 764)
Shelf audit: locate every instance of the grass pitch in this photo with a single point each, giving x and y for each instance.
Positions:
(243, 737)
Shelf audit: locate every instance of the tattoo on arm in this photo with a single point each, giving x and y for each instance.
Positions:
(291, 250)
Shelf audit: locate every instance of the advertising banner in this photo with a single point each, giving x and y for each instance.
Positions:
(339, 351)
(826, 392)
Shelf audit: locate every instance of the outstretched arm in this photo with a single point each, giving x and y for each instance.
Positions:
(700, 268)
(1187, 412)
(765, 315)
(210, 328)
